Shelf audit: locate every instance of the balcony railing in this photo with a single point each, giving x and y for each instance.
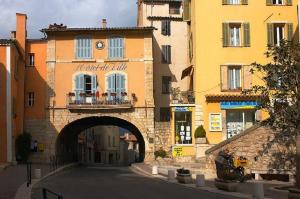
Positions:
(100, 101)
(182, 97)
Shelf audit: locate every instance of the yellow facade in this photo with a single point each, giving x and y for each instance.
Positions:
(212, 60)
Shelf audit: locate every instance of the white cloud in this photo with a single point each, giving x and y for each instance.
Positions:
(73, 13)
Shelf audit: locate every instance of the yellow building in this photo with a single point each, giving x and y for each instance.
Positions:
(225, 38)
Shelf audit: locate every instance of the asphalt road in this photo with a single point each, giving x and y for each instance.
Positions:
(115, 183)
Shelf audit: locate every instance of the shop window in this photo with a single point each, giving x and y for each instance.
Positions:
(174, 8)
(83, 48)
(165, 114)
(30, 99)
(183, 126)
(166, 84)
(166, 27)
(238, 121)
(116, 48)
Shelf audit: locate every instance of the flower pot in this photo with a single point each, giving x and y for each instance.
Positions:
(225, 185)
(200, 141)
(184, 178)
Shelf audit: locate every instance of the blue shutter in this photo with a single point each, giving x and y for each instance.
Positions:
(111, 85)
(79, 86)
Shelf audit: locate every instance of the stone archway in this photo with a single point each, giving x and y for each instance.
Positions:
(66, 142)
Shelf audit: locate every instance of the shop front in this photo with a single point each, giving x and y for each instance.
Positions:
(183, 131)
(228, 116)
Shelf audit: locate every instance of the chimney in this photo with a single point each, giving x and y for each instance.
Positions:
(104, 23)
(21, 31)
(13, 35)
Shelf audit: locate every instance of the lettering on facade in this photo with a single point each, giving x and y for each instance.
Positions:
(99, 67)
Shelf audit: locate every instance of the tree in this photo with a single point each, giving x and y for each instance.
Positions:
(280, 97)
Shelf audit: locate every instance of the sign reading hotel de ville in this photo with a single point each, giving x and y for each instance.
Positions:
(102, 67)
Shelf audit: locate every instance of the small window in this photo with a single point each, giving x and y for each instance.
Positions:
(116, 48)
(166, 84)
(31, 99)
(234, 2)
(166, 54)
(165, 114)
(234, 77)
(235, 34)
(31, 59)
(166, 27)
(174, 8)
(83, 48)
(277, 2)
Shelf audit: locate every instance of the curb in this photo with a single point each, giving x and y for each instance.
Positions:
(140, 171)
(24, 192)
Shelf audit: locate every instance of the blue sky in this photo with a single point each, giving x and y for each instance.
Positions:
(73, 13)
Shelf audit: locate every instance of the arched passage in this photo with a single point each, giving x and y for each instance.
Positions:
(66, 143)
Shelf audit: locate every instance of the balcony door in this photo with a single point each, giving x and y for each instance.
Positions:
(116, 86)
(85, 85)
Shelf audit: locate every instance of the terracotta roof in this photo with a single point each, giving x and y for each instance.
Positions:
(65, 29)
(165, 18)
(231, 97)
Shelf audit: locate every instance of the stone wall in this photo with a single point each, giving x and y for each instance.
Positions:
(252, 144)
(163, 137)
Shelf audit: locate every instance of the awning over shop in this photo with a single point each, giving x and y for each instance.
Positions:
(187, 72)
(231, 97)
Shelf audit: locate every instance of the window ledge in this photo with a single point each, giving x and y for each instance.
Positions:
(117, 60)
(84, 60)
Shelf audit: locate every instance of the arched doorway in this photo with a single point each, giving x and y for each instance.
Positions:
(67, 140)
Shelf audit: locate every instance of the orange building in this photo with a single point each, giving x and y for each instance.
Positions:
(12, 67)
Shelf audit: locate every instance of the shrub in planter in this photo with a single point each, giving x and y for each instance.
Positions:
(200, 135)
(160, 153)
(23, 142)
(184, 176)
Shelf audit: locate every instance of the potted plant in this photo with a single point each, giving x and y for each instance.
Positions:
(175, 94)
(200, 135)
(184, 176)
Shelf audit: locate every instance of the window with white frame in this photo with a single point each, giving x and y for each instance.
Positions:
(235, 34)
(30, 99)
(234, 2)
(85, 84)
(278, 33)
(83, 48)
(277, 2)
(116, 48)
(234, 77)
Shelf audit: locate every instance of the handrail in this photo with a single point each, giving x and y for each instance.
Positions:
(45, 191)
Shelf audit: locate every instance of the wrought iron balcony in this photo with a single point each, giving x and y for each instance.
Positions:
(182, 97)
(100, 101)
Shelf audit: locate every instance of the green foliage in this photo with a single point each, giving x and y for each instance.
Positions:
(280, 97)
(160, 153)
(23, 142)
(200, 132)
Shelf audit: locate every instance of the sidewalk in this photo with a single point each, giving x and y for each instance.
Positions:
(244, 189)
(12, 177)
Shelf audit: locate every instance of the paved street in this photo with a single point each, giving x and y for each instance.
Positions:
(115, 183)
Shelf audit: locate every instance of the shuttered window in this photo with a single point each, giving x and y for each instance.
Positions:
(235, 34)
(166, 84)
(115, 84)
(166, 27)
(116, 48)
(235, 2)
(186, 10)
(279, 31)
(166, 54)
(83, 48)
(85, 84)
(279, 2)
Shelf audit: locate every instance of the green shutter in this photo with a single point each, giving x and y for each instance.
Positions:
(225, 2)
(290, 32)
(289, 2)
(186, 10)
(244, 2)
(269, 2)
(225, 34)
(270, 29)
(246, 34)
